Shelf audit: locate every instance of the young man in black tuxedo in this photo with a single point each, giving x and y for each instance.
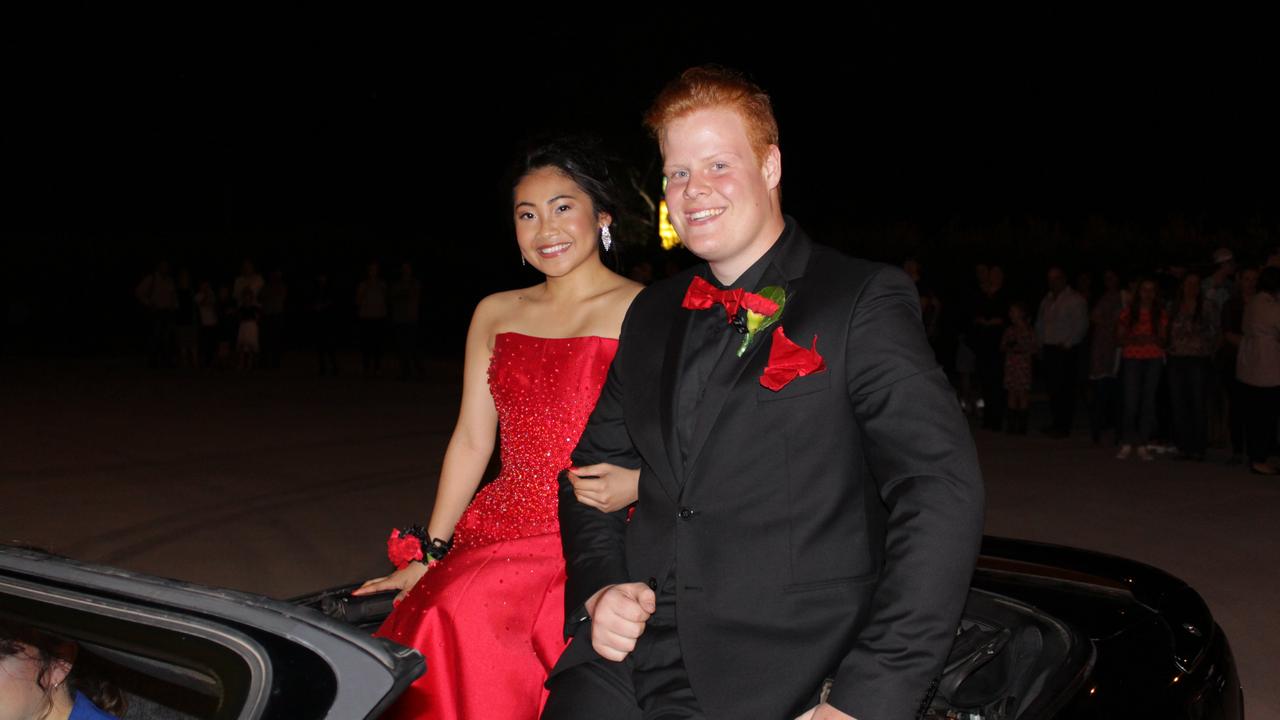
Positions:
(810, 504)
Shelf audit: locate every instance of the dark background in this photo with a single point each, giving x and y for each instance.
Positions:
(1068, 136)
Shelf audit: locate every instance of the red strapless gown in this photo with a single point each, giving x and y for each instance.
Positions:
(490, 618)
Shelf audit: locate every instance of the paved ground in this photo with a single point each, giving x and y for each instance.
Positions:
(283, 483)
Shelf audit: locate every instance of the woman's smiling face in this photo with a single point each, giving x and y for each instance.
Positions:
(556, 225)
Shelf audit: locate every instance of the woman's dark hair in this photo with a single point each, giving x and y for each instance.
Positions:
(1197, 314)
(1135, 305)
(49, 649)
(1269, 280)
(582, 160)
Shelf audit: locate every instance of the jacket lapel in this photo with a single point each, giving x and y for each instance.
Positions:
(666, 395)
(654, 429)
(726, 374)
(787, 270)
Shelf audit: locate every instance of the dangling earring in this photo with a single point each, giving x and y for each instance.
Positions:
(522, 260)
(606, 239)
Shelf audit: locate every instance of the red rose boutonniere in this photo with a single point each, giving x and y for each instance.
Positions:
(762, 314)
(788, 361)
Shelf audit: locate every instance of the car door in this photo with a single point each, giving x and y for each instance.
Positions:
(180, 650)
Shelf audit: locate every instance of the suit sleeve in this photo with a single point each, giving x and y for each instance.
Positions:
(593, 540)
(925, 467)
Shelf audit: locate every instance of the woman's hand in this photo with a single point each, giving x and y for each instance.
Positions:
(402, 580)
(605, 487)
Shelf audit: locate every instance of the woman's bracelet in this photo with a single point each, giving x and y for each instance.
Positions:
(412, 544)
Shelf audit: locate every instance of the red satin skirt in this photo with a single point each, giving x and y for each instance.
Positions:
(490, 622)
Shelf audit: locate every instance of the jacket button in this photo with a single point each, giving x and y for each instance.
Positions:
(686, 513)
(652, 583)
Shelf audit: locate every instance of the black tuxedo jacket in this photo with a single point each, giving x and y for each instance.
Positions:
(828, 529)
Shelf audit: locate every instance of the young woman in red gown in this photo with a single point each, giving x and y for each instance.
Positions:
(489, 616)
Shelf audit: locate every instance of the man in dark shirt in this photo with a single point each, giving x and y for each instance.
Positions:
(810, 505)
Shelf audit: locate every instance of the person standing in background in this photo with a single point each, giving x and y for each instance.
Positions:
(186, 329)
(1142, 333)
(989, 317)
(207, 307)
(228, 327)
(1061, 324)
(1217, 286)
(324, 319)
(1258, 367)
(1232, 321)
(250, 280)
(274, 295)
(406, 297)
(159, 296)
(1192, 338)
(1104, 360)
(371, 308)
(1018, 345)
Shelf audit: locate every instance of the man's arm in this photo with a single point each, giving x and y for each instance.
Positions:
(593, 540)
(925, 467)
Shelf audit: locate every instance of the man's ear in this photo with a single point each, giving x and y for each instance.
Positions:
(771, 167)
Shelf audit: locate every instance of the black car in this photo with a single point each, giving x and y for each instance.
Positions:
(1056, 632)
(1048, 632)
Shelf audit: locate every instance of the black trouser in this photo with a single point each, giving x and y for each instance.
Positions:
(208, 344)
(271, 339)
(1262, 410)
(659, 681)
(409, 349)
(1139, 381)
(1236, 413)
(371, 332)
(327, 352)
(1188, 386)
(1164, 412)
(990, 366)
(162, 343)
(592, 690)
(1060, 377)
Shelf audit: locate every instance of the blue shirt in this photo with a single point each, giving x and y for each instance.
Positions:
(84, 709)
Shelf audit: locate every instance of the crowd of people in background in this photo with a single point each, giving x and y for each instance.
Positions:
(1169, 362)
(244, 323)
(1166, 362)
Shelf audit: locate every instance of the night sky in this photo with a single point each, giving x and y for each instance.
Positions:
(310, 152)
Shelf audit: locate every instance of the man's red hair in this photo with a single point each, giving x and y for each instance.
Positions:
(710, 86)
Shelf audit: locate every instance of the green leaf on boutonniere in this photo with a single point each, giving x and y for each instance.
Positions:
(757, 322)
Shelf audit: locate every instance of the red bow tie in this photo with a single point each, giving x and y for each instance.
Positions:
(702, 295)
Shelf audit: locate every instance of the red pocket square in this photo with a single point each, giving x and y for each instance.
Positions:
(787, 361)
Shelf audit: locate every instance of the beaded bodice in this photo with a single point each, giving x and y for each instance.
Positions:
(544, 390)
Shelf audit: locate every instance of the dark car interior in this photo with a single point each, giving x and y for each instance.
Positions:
(1009, 661)
(162, 673)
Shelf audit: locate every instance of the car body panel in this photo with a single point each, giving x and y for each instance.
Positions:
(1158, 650)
